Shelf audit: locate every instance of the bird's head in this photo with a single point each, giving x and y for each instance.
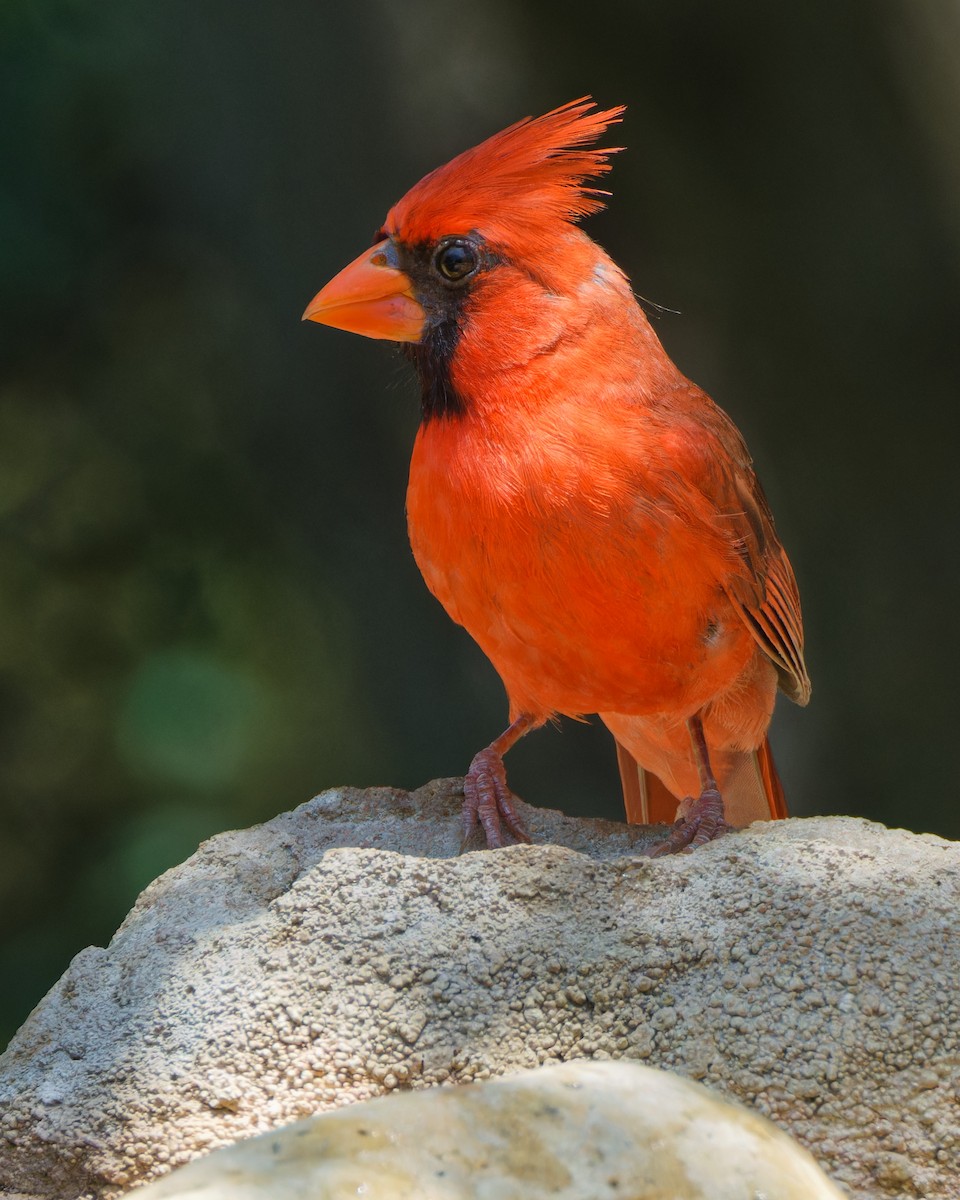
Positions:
(492, 232)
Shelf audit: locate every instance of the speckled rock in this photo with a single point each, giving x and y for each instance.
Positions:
(579, 1131)
(807, 968)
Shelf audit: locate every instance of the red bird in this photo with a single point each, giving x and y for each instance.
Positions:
(589, 515)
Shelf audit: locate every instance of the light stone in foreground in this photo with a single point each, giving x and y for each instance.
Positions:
(806, 968)
(580, 1131)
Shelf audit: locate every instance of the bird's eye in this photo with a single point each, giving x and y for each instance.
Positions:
(455, 261)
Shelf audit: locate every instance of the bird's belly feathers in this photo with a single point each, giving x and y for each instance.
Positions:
(584, 600)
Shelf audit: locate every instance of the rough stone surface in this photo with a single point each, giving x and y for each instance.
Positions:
(808, 968)
(577, 1131)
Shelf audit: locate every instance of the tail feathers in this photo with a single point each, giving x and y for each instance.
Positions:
(772, 787)
(646, 800)
(749, 783)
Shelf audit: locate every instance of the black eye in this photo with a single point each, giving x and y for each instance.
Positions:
(455, 261)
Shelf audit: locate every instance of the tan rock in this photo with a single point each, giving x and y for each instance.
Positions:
(580, 1131)
(342, 951)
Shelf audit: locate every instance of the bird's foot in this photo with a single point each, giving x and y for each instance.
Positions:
(488, 802)
(700, 821)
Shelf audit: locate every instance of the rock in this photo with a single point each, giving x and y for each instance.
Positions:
(579, 1131)
(807, 968)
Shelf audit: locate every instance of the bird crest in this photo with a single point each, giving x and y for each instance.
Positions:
(516, 185)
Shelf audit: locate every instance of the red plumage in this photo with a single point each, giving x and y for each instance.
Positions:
(587, 513)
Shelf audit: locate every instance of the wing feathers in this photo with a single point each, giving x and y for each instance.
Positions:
(764, 588)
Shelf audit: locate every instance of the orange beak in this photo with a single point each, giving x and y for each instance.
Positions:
(371, 296)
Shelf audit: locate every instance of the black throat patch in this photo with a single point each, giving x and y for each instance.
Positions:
(431, 359)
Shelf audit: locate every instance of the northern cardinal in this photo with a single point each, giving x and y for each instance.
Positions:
(589, 515)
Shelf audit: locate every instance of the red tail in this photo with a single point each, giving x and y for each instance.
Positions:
(751, 789)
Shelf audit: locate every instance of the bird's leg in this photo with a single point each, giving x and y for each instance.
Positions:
(487, 800)
(702, 820)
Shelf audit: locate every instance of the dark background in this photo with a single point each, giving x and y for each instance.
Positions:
(208, 609)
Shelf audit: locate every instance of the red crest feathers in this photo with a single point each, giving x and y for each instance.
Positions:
(514, 187)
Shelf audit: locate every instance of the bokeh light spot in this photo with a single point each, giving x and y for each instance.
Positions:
(188, 719)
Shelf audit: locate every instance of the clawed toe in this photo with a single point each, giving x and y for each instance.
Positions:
(488, 802)
(701, 821)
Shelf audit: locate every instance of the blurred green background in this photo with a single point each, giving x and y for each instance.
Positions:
(208, 609)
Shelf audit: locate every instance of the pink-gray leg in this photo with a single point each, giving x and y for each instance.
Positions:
(487, 801)
(702, 820)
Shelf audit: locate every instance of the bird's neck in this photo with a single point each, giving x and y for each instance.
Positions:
(540, 352)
